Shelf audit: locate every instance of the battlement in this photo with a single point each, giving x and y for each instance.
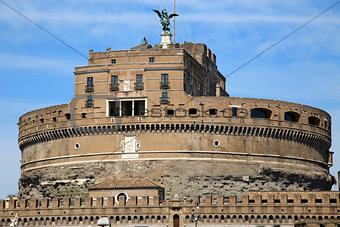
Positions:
(254, 207)
(263, 199)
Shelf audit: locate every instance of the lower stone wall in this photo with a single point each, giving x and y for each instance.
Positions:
(254, 209)
(181, 178)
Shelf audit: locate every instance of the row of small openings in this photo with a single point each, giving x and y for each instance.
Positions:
(114, 61)
(54, 119)
(288, 116)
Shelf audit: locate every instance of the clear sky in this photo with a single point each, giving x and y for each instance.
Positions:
(37, 70)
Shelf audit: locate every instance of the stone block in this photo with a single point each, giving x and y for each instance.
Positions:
(207, 199)
(156, 200)
(110, 201)
(55, 203)
(88, 202)
(66, 202)
(220, 200)
(77, 202)
(232, 200)
(99, 202)
(145, 201)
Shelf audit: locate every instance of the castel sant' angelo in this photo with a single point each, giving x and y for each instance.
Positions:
(151, 129)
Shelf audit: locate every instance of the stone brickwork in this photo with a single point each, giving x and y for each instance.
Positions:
(185, 132)
(252, 209)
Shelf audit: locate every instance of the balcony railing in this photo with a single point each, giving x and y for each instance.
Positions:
(114, 87)
(139, 86)
(164, 100)
(164, 85)
(89, 103)
(89, 88)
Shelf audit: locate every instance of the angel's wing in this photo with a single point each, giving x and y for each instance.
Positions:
(173, 15)
(156, 11)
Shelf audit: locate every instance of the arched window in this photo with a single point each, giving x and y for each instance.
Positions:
(122, 197)
(314, 121)
(292, 116)
(260, 113)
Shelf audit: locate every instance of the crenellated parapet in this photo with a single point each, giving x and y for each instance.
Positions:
(254, 207)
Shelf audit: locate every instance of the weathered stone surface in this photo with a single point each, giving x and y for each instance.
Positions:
(185, 178)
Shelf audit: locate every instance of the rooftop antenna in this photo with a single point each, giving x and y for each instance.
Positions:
(174, 21)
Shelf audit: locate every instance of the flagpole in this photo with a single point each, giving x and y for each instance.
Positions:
(174, 22)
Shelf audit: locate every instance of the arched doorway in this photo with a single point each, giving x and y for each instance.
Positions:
(176, 220)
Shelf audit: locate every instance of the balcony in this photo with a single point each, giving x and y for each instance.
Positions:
(139, 86)
(89, 88)
(164, 100)
(164, 85)
(114, 87)
(89, 103)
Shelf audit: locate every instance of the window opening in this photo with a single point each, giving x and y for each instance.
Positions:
(151, 59)
(212, 112)
(139, 108)
(89, 81)
(234, 110)
(83, 115)
(170, 112)
(126, 108)
(165, 78)
(314, 121)
(68, 116)
(114, 109)
(114, 80)
(292, 116)
(164, 95)
(113, 61)
(192, 112)
(139, 79)
(260, 113)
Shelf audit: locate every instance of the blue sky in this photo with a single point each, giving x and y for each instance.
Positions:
(37, 70)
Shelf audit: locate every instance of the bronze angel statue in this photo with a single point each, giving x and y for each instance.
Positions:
(165, 19)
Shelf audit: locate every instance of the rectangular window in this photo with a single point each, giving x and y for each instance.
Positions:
(151, 59)
(139, 79)
(114, 80)
(113, 61)
(89, 81)
(114, 109)
(164, 95)
(139, 108)
(165, 78)
(234, 112)
(126, 108)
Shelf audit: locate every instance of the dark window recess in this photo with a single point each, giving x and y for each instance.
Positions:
(251, 201)
(314, 121)
(192, 112)
(290, 201)
(89, 101)
(164, 98)
(332, 200)
(292, 116)
(264, 201)
(277, 201)
(260, 113)
(139, 108)
(318, 200)
(114, 86)
(234, 109)
(54, 119)
(139, 82)
(165, 81)
(68, 116)
(113, 61)
(170, 112)
(42, 120)
(304, 200)
(126, 108)
(114, 109)
(83, 115)
(212, 112)
(151, 59)
(89, 85)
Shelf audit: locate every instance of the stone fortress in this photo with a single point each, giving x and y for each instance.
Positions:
(151, 128)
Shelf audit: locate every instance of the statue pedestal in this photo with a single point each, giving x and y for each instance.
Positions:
(166, 39)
